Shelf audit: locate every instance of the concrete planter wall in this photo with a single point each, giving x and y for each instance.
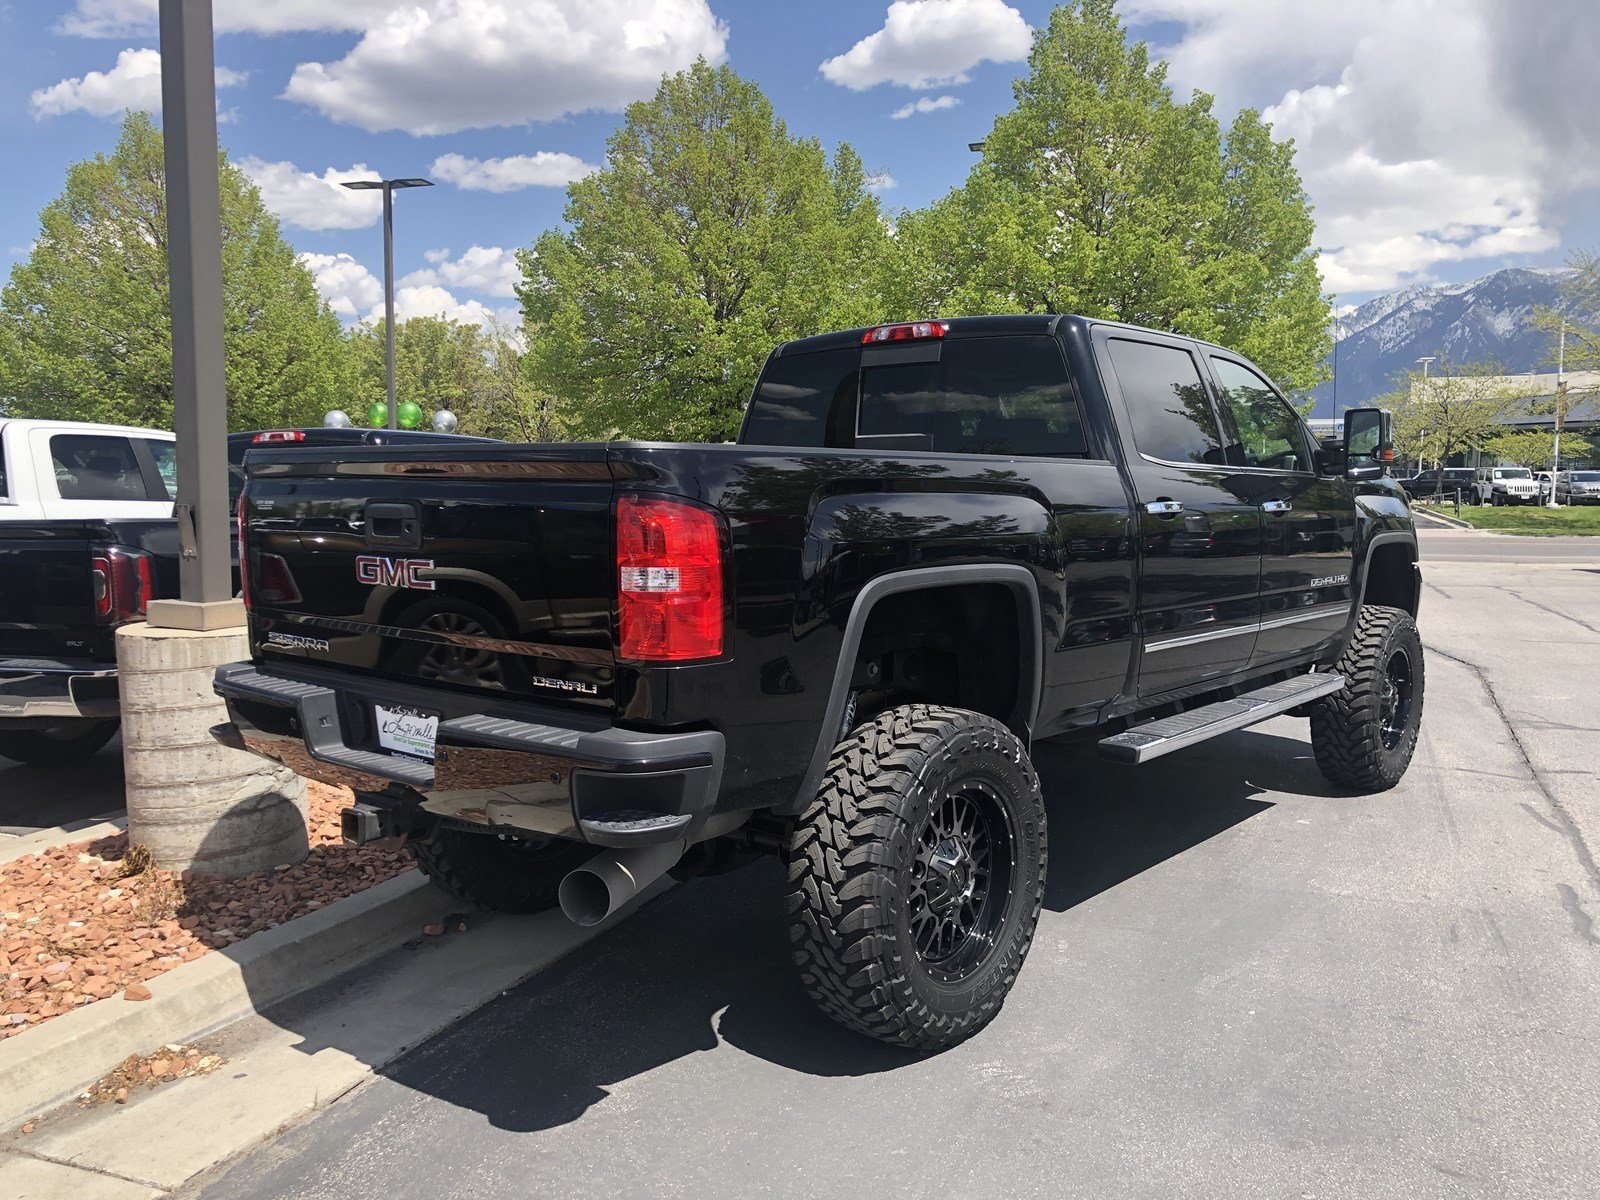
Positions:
(198, 805)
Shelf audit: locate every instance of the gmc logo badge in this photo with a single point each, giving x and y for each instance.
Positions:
(394, 572)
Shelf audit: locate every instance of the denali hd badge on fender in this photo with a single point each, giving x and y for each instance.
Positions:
(394, 572)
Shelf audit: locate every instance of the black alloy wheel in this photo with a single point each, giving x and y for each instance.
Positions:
(962, 879)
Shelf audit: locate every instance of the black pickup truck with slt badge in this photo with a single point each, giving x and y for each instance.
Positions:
(67, 584)
(562, 670)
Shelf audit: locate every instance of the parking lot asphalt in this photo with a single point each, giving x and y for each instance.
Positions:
(43, 797)
(1245, 984)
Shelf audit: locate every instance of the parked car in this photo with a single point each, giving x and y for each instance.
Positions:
(73, 470)
(561, 670)
(1578, 487)
(1546, 481)
(68, 580)
(1443, 483)
(1505, 485)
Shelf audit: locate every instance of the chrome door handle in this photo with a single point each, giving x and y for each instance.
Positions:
(1276, 506)
(1164, 508)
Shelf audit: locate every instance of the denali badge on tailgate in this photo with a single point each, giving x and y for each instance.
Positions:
(394, 572)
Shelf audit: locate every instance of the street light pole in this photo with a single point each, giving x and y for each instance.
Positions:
(388, 187)
(1561, 403)
(194, 265)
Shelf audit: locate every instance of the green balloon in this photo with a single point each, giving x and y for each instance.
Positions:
(377, 414)
(409, 415)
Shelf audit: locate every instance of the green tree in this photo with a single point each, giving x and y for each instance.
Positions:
(85, 322)
(1100, 194)
(438, 363)
(1450, 411)
(1535, 449)
(710, 236)
(1577, 313)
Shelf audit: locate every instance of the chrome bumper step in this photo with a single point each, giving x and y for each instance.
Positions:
(1155, 738)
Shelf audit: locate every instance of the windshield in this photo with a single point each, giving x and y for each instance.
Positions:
(1513, 473)
(1586, 477)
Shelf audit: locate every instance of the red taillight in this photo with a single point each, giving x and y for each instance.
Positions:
(244, 555)
(916, 331)
(669, 580)
(123, 586)
(280, 435)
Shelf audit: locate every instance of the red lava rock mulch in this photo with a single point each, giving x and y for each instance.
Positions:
(148, 1070)
(82, 922)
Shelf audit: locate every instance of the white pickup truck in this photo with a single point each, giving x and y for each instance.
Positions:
(71, 470)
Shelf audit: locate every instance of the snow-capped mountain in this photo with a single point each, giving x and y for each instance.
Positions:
(1489, 318)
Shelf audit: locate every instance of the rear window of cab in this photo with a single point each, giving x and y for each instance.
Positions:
(1006, 395)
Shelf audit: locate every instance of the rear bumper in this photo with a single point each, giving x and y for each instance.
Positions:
(499, 764)
(56, 689)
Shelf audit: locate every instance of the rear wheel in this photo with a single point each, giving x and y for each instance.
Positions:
(916, 876)
(64, 743)
(1364, 736)
(500, 872)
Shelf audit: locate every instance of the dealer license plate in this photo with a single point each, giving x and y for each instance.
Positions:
(407, 731)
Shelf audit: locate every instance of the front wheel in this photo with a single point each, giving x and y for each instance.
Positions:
(1364, 735)
(56, 744)
(916, 876)
(498, 871)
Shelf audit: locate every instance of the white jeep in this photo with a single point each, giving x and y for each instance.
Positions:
(1505, 485)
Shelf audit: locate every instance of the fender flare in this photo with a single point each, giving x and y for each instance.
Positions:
(1408, 538)
(1030, 628)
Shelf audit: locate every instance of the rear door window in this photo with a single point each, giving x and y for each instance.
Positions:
(96, 467)
(1168, 404)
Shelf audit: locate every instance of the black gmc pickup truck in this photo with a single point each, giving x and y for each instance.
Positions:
(561, 670)
(67, 585)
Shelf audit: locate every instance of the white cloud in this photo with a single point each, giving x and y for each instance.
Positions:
(131, 18)
(345, 284)
(881, 181)
(431, 300)
(1422, 141)
(135, 82)
(307, 200)
(924, 104)
(932, 43)
(487, 270)
(544, 169)
(356, 294)
(439, 66)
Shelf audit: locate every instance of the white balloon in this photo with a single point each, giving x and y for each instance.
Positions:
(444, 421)
(336, 419)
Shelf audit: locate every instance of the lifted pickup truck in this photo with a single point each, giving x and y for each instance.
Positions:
(561, 670)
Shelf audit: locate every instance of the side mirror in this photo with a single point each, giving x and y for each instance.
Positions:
(1368, 443)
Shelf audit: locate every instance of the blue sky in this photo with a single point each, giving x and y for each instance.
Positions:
(1438, 141)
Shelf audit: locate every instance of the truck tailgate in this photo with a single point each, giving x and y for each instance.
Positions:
(46, 596)
(477, 568)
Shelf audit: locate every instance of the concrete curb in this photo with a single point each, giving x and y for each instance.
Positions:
(62, 835)
(1428, 514)
(53, 1063)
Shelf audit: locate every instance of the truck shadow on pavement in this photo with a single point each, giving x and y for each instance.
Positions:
(708, 962)
(41, 797)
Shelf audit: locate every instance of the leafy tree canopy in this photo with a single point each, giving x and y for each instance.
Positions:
(710, 236)
(85, 322)
(477, 372)
(1100, 194)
